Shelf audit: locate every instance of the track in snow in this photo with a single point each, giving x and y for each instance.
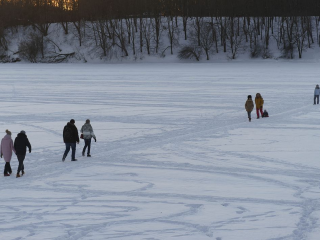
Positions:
(175, 157)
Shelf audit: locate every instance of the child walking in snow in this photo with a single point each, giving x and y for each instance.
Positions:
(249, 106)
(259, 104)
(6, 152)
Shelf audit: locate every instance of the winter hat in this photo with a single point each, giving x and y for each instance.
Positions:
(72, 121)
(88, 121)
(8, 132)
(23, 132)
(249, 97)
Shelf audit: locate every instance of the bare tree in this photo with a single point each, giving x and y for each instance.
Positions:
(234, 37)
(147, 32)
(103, 38)
(206, 38)
(173, 33)
(300, 34)
(118, 29)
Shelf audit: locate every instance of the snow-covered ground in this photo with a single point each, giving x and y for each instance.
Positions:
(176, 157)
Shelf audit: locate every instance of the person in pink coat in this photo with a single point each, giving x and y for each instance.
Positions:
(6, 152)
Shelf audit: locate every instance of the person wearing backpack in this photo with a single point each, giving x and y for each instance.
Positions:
(21, 143)
(316, 95)
(249, 106)
(70, 138)
(6, 152)
(87, 134)
(259, 104)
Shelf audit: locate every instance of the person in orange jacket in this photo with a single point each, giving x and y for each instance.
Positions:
(259, 104)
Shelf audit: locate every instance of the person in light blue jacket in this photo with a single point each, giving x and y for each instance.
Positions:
(316, 95)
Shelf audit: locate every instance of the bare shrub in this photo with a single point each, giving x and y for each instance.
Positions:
(266, 54)
(287, 52)
(31, 48)
(189, 52)
(256, 51)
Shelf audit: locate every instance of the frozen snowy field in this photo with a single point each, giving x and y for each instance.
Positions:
(175, 158)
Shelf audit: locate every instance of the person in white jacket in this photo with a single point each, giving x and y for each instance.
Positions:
(316, 95)
(87, 134)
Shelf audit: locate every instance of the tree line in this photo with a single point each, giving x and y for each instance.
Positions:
(24, 12)
(188, 28)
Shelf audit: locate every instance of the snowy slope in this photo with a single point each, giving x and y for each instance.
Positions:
(175, 158)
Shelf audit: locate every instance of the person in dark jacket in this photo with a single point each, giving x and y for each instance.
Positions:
(70, 138)
(316, 95)
(21, 143)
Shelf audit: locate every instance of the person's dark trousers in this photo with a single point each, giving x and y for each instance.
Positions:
(7, 168)
(87, 143)
(316, 97)
(21, 159)
(73, 147)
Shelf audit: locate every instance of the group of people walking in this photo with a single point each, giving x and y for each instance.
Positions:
(21, 143)
(249, 106)
(71, 138)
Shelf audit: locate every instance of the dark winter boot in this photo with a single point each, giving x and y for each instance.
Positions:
(88, 155)
(22, 173)
(18, 175)
(7, 175)
(83, 154)
(73, 160)
(249, 119)
(63, 158)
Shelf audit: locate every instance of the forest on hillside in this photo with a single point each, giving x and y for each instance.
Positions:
(189, 28)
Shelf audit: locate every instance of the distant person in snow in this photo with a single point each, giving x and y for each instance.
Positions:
(70, 138)
(259, 104)
(316, 95)
(21, 143)
(87, 134)
(6, 152)
(249, 106)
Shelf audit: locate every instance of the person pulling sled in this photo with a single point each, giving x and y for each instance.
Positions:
(259, 104)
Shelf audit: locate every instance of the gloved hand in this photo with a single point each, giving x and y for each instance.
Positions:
(29, 151)
(261, 107)
(95, 140)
